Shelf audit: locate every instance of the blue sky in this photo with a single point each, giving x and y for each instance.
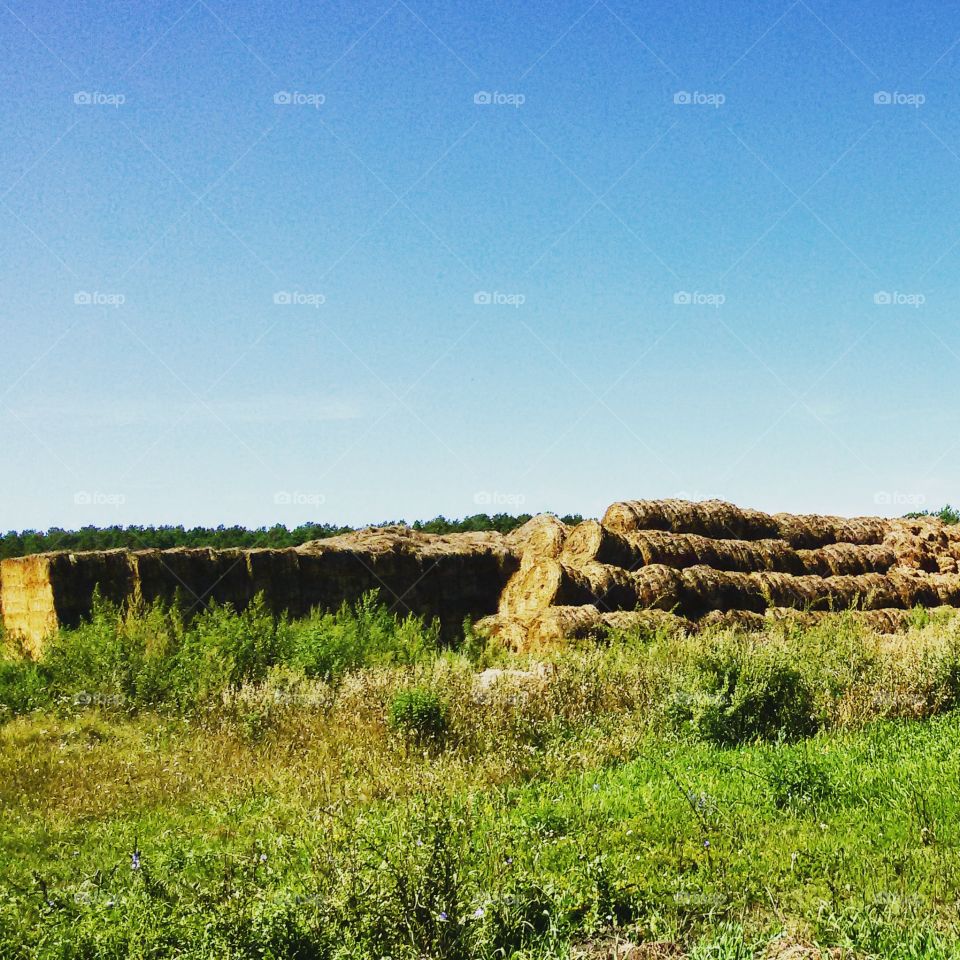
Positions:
(277, 262)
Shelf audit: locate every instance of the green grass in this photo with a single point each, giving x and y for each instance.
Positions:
(343, 786)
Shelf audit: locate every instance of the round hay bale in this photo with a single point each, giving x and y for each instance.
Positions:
(847, 559)
(783, 590)
(591, 540)
(709, 518)
(744, 620)
(510, 631)
(552, 627)
(705, 589)
(658, 587)
(611, 588)
(541, 537)
(544, 583)
(647, 621)
(914, 588)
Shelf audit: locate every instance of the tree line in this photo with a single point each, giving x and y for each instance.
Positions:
(22, 543)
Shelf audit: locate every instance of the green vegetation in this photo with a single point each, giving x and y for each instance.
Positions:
(343, 786)
(14, 544)
(947, 514)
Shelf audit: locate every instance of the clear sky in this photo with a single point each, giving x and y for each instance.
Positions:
(274, 262)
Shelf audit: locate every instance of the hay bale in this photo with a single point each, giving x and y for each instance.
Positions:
(29, 612)
(194, 576)
(710, 518)
(507, 630)
(811, 531)
(658, 587)
(276, 575)
(551, 627)
(646, 621)
(541, 538)
(448, 577)
(591, 540)
(746, 621)
(847, 559)
(545, 583)
(914, 588)
(705, 589)
(924, 544)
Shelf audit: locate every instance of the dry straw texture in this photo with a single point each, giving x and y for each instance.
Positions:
(702, 564)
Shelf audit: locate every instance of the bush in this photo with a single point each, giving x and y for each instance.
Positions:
(739, 692)
(327, 645)
(417, 713)
(22, 687)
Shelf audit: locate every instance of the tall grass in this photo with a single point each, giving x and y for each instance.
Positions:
(239, 785)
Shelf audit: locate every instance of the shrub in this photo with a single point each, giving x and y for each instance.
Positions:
(22, 687)
(223, 649)
(418, 713)
(328, 645)
(739, 692)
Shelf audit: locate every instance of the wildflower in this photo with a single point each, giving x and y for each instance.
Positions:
(263, 858)
(706, 844)
(478, 913)
(443, 915)
(135, 860)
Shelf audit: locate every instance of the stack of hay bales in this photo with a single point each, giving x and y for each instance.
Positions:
(650, 564)
(447, 577)
(712, 564)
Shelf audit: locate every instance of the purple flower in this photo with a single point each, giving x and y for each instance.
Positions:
(443, 915)
(135, 860)
(706, 844)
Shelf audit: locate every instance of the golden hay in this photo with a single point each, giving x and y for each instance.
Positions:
(698, 560)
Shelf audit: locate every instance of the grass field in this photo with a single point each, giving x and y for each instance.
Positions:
(342, 786)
